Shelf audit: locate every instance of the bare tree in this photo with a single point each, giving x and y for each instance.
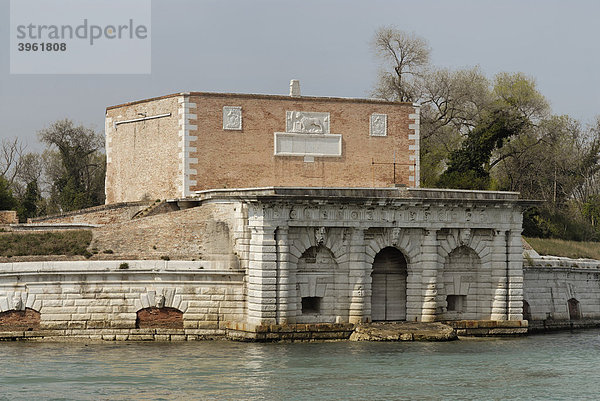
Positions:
(11, 151)
(407, 57)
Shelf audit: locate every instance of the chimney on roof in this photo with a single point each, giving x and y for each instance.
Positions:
(295, 88)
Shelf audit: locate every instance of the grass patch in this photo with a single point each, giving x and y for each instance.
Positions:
(569, 249)
(51, 243)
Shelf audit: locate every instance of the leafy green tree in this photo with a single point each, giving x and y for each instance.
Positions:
(76, 170)
(30, 202)
(469, 166)
(7, 200)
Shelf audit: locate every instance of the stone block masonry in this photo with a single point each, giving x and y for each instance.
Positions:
(102, 300)
(286, 263)
(561, 293)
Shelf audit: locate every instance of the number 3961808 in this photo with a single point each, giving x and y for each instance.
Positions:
(42, 47)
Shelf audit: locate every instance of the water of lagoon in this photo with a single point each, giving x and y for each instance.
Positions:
(562, 366)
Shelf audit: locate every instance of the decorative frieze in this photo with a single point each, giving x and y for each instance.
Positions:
(387, 215)
(307, 122)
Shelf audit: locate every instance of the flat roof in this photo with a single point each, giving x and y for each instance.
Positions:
(363, 194)
(267, 97)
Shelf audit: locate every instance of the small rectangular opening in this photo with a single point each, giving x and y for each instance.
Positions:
(311, 305)
(456, 303)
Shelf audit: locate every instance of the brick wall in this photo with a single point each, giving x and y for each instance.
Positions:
(19, 320)
(159, 318)
(254, 164)
(168, 158)
(142, 157)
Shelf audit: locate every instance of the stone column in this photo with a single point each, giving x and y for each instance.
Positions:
(262, 276)
(499, 276)
(429, 271)
(359, 272)
(286, 282)
(515, 275)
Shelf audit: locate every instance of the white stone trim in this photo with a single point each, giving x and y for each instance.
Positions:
(187, 112)
(18, 300)
(159, 298)
(307, 144)
(373, 120)
(307, 122)
(228, 123)
(108, 130)
(416, 147)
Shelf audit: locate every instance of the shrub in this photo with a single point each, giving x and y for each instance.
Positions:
(71, 242)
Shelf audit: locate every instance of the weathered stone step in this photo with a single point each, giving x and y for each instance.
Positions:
(403, 331)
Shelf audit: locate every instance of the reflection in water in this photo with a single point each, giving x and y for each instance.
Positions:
(557, 366)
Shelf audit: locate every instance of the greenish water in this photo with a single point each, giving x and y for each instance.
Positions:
(561, 366)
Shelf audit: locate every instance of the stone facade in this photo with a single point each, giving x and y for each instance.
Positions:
(104, 299)
(561, 292)
(172, 146)
(431, 230)
(275, 262)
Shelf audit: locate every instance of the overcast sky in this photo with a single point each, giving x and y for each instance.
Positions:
(258, 46)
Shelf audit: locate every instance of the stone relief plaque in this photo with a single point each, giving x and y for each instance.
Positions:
(232, 118)
(378, 124)
(306, 122)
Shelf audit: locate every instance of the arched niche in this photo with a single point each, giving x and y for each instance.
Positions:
(322, 295)
(462, 289)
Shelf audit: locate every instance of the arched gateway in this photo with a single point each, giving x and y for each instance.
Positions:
(388, 286)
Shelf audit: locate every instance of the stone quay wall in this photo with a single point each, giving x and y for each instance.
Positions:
(561, 293)
(286, 263)
(119, 300)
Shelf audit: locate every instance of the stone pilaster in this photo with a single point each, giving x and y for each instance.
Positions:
(286, 282)
(499, 276)
(359, 275)
(429, 270)
(414, 302)
(515, 275)
(262, 276)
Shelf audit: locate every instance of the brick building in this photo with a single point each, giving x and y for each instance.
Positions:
(171, 146)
